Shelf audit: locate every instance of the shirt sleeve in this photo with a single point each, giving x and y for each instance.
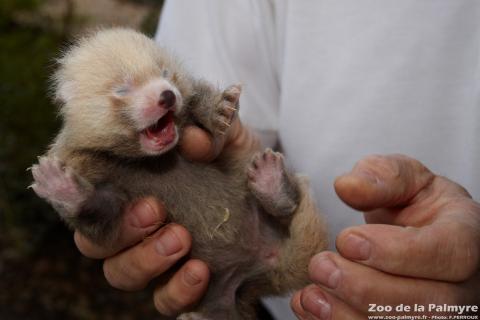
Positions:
(229, 42)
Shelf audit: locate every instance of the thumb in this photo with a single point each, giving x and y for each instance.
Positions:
(382, 182)
(196, 144)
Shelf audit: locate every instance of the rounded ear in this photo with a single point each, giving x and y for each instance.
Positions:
(65, 91)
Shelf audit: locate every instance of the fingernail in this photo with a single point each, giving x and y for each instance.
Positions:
(168, 242)
(316, 305)
(356, 247)
(191, 278)
(324, 271)
(143, 215)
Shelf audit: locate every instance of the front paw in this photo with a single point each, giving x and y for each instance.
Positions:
(59, 186)
(226, 109)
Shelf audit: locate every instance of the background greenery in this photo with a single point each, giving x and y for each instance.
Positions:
(42, 275)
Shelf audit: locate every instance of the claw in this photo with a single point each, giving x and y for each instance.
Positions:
(58, 185)
(230, 108)
(225, 123)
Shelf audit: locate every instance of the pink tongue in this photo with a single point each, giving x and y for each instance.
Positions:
(163, 132)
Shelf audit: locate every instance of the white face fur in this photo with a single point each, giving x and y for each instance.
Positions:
(120, 92)
(152, 107)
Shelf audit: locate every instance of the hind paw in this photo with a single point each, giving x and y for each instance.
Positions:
(59, 186)
(271, 184)
(266, 171)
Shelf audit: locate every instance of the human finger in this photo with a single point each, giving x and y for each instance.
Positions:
(186, 287)
(196, 144)
(446, 250)
(382, 182)
(139, 220)
(132, 269)
(314, 303)
(359, 285)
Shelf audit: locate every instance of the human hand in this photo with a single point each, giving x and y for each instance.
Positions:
(145, 251)
(198, 145)
(421, 244)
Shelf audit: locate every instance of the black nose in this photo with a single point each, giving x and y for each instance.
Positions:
(167, 99)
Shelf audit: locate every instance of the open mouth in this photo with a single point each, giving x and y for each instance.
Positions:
(161, 135)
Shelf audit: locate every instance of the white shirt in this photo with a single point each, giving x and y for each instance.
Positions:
(339, 80)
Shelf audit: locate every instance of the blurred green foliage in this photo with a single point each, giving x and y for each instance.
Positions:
(27, 123)
(9, 7)
(27, 120)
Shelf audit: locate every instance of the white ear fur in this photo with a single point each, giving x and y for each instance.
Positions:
(65, 91)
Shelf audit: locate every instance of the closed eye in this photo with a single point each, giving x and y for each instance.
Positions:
(121, 91)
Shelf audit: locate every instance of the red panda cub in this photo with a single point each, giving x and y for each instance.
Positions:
(124, 102)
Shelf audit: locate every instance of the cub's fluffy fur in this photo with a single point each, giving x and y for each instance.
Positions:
(124, 104)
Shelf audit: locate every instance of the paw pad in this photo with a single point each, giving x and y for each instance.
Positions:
(266, 172)
(56, 184)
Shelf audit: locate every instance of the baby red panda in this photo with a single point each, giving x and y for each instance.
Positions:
(124, 103)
